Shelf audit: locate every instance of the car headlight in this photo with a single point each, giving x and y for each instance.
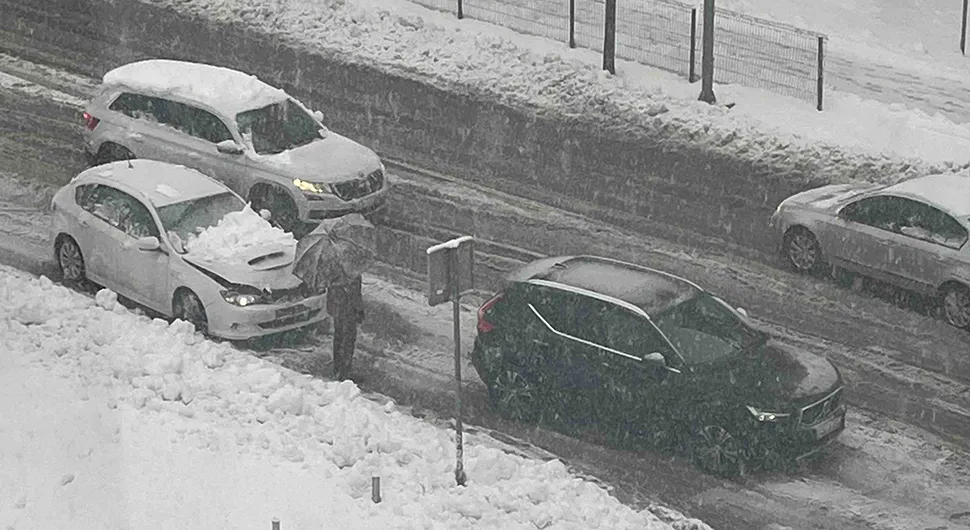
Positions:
(239, 299)
(311, 187)
(767, 417)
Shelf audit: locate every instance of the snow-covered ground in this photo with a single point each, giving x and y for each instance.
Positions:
(862, 138)
(109, 419)
(916, 35)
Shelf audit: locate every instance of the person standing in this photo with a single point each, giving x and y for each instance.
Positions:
(346, 305)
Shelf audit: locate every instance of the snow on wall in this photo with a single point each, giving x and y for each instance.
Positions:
(236, 234)
(222, 401)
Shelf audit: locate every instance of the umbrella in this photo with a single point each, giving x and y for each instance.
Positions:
(336, 252)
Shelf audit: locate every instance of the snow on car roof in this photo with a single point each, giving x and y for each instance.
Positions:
(950, 191)
(160, 182)
(225, 90)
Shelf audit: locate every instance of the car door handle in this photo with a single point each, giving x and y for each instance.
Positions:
(83, 222)
(195, 156)
(136, 137)
(540, 342)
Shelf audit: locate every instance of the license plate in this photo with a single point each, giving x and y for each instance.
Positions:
(828, 426)
(292, 310)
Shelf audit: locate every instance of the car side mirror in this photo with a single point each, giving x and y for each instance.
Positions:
(229, 147)
(265, 214)
(657, 359)
(148, 244)
(317, 115)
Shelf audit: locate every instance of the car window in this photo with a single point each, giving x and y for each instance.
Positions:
(277, 127)
(704, 329)
(632, 334)
(927, 223)
(120, 210)
(141, 107)
(185, 118)
(557, 307)
(878, 212)
(84, 196)
(198, 123)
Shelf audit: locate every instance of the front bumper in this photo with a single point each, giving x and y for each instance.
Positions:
(802, 441)
(332, 207)
(239, 323)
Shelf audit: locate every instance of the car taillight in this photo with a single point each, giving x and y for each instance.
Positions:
(90, 121)
(484, 326)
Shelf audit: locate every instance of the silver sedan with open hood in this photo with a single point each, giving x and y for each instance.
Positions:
(130, 227)
(912, 235)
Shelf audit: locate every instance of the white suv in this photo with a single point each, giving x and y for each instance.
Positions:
(263, 144)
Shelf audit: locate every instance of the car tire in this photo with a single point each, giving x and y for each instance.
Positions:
(955, 302)
(716, 451)
(187, 306)
(111, 152)
(283, 210)
(802, 251)
(513, 396)
(70, 260)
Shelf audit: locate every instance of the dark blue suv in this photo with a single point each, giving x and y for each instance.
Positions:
(590, 339)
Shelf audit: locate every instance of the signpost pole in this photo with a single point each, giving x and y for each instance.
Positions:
(450, 273)
(453, 275)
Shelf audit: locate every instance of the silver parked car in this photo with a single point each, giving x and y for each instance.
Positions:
(263, 144)
(122, 225)
(912, 235)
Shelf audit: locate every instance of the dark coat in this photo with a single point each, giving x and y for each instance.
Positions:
(346, 300)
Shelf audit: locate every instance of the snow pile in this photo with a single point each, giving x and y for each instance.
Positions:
(235, 237)
(540, 75)
(180, 431)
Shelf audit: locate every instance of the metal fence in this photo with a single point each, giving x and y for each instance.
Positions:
(755, 52)
(748, 50)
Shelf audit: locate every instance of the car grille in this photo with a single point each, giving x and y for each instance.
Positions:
(290, 320)
(285, 296)
(821, 409)
(349, 190)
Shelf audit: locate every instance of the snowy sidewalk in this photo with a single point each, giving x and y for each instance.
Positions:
(111, 419)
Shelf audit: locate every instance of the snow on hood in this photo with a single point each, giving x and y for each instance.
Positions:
(331, 159)
(245, 249)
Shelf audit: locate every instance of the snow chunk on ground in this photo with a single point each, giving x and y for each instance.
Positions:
(236, 235)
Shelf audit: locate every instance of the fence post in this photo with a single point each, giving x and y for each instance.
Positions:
(276, 524)
(572, 23)
(821, 65)
(707, 59)
(693, 45)
(963, 30)
(609, 38)
(461, 11)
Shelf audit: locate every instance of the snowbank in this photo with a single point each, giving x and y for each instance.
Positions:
(119, 420)
(236, 235)
(853, 140)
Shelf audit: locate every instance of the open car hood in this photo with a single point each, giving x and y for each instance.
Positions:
(268, 267)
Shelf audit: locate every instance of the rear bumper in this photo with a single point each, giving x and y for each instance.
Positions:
(239, 323)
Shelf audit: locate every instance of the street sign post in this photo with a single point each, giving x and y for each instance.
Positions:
(450, 275)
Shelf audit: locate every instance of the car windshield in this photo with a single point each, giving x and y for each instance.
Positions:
(277, 127)
(182, 219)
(704, 329)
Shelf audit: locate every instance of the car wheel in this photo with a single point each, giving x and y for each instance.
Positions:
(110, 152)
(513, 396)
(803, 251)
(956, 305)
(714, 450)
(187, 306)
(283, 210)
(70, 261)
